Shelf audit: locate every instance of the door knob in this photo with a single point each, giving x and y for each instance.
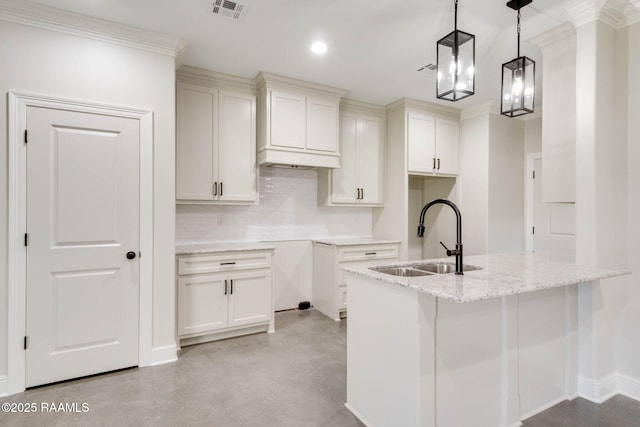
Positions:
(131, 255)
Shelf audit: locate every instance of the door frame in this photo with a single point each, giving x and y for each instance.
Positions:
(18, 102)
(529, 199)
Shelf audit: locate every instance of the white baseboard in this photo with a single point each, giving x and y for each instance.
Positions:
(165, 354)
(542, 408)
(4, 386)
(600, 390)
(354, 412)
(629, 387)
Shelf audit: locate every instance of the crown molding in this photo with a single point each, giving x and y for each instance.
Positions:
(615, 14)
(48, 18)
(264, 78)
(409, 103)
(348, 104)
(196, 75)
(632, 12)
(554, 35)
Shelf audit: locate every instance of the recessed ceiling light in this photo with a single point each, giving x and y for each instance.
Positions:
(319, 48)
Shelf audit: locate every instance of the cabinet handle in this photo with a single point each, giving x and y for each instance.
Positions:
(357, 194)
(231, 286)
(438, 163)
(221, 189)
(434, 163)
(370, 253)
(362, 196)
(228, 263)
(225, 287)
(215, 188)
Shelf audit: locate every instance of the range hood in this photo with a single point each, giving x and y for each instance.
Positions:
(297, 122)
(283, 166)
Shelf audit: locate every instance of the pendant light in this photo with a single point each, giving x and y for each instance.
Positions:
(456, 56)
(518, 77)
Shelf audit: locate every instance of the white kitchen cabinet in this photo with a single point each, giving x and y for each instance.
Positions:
(360, 179)
(329, 257)
(224, 294)
(432, 145)
(216, 146)
(298, 122)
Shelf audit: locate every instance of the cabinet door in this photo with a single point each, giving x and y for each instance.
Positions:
(421, 143)
(322, 124)
(196, 133)
(343, 180)
(236, 160)
(202, 304)
(371, 165)
(250, 298)
(288, 120)
(447, 146)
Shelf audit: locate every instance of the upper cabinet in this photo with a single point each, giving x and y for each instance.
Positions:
(216, 139)
(432, 145)
(298, 122)
(360, 179)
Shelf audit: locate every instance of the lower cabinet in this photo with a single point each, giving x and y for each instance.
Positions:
(227, 297)
(330, 293)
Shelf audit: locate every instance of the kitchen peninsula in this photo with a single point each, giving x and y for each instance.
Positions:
(491, 347)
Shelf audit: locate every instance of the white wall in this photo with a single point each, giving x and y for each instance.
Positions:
(61, 65)
(533, 136)
(628, 342)
(473, 183)
(506, 184)
(288, 210)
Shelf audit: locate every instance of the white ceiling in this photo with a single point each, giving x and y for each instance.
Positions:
(375, 47)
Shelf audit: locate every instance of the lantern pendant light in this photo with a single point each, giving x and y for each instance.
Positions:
(518, 77)
(456, 56)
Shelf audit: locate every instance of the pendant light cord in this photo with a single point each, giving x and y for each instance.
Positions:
(455, 19)
(518, 33)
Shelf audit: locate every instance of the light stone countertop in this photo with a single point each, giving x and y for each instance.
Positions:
(501, 275)
(190, 248)
(353, 241)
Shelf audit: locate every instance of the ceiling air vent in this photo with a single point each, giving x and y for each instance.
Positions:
(230, 9)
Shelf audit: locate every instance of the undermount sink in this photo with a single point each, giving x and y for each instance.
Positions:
(401, 271)
(443, 267)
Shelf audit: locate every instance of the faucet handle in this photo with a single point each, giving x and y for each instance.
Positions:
(447, 249)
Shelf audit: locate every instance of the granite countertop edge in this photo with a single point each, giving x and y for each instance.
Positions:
(497, 278)
(187, 248)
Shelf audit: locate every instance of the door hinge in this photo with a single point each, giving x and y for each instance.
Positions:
(26, 239)
(26, 342)
(26, 139)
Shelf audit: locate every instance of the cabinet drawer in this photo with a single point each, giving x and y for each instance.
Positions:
(364, 253)
(213, 263)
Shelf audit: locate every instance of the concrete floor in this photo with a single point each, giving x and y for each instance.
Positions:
(294, 377)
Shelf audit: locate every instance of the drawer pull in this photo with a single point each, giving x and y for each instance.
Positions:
(228, 263)
(370, 253)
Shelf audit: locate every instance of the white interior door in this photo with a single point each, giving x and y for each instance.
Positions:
(554, 223)
(82, 218)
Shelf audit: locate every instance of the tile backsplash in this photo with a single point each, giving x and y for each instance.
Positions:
(288, 210)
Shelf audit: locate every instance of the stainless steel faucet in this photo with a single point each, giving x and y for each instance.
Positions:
(458, 250)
